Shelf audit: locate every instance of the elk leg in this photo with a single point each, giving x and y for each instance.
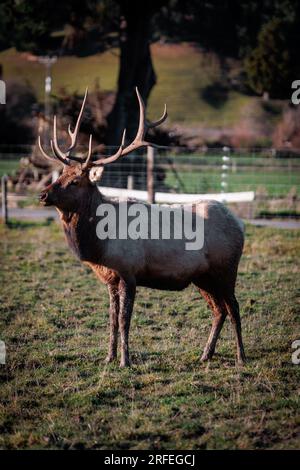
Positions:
(234, 313)
(127, 295)
(113, 322)
(218, 308)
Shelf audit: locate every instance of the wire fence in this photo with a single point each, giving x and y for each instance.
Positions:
(203, 172)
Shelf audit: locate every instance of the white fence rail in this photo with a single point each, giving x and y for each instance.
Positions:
(172, 198)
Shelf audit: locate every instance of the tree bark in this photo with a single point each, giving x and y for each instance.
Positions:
(136, 68)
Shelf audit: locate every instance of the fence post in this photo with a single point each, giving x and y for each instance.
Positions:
(150, 175)
(225, 167)
(4, 199)
(130, 182)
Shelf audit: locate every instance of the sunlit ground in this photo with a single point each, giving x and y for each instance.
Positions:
(56, 391)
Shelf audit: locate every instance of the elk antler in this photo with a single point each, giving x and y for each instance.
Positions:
(65, 157)
(138, 141)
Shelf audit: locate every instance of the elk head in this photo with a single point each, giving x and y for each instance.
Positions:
(80, 174)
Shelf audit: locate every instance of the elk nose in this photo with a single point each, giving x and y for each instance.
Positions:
(43, 196)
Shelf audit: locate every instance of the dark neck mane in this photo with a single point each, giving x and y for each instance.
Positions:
(80, 227)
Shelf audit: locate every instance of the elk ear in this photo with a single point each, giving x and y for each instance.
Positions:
(95, 173)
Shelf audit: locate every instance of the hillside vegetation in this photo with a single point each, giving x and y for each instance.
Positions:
(190, 81)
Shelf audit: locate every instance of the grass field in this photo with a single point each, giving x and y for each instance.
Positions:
(276, 182)
(190, 81)
(56, 391)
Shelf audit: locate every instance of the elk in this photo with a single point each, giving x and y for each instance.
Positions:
(162, 264)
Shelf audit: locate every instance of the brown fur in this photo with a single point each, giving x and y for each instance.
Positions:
(124, 264)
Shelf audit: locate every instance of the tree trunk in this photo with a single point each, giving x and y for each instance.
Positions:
(136, 68)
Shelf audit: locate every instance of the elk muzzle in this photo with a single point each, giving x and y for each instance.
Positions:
(45, 198)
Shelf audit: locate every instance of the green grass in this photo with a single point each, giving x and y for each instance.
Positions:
(276, 182)
(56, 391)
(186, 81)
(8, 167)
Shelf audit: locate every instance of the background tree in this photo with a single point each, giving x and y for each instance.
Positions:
(272, 65)
(266, 33)
(29, 25)
(136, 67)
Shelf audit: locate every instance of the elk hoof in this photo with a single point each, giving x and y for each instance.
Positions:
(241, 358)
(125, 363)
(205, 357)
(241, 361)
(109, 359)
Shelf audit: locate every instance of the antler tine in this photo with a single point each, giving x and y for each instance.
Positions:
(160, 120)
(43, 151)
(141, 129)
(65, 161)
(74, 134)
(144, 124)
(138, 141)
(87, 161)
(63, 157)
(112, 158)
